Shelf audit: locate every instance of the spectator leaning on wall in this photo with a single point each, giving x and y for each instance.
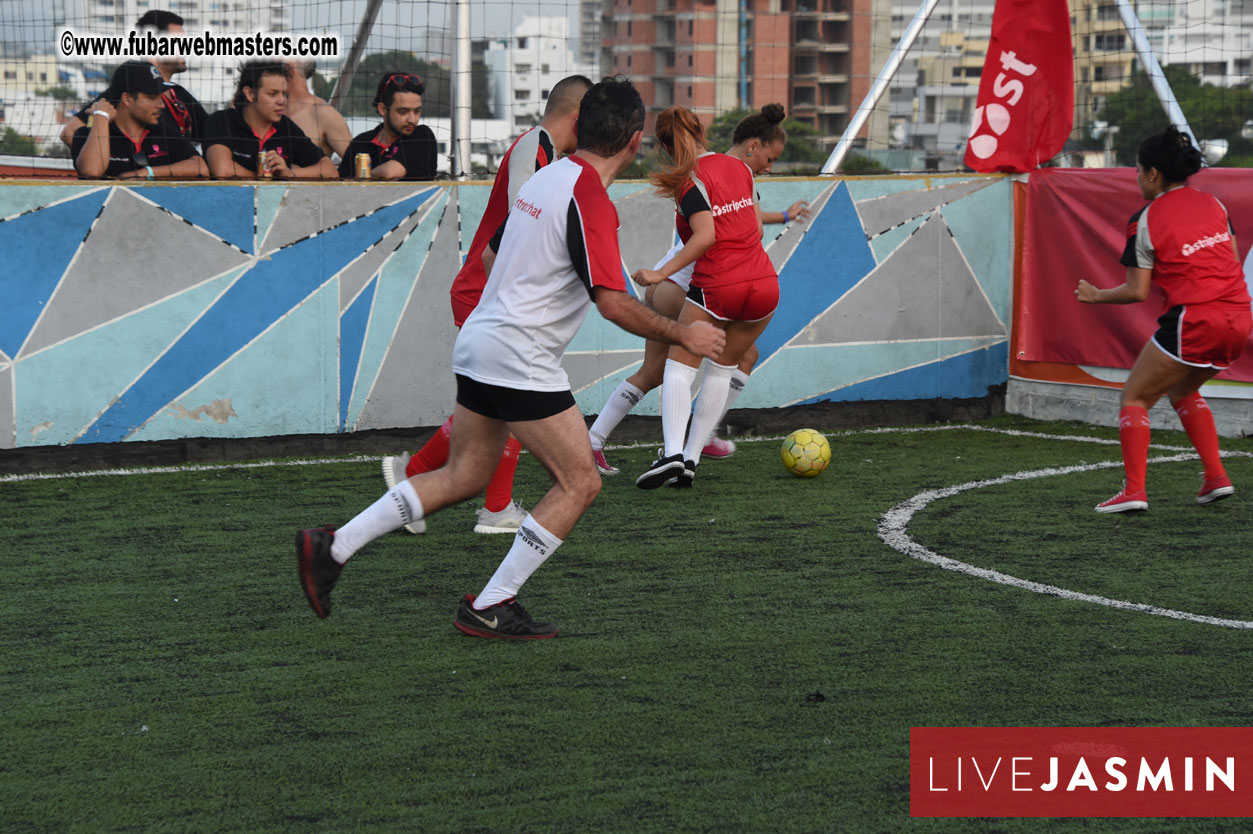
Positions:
(127, 138)
(255, 138)
(399, 148)
(183, 114)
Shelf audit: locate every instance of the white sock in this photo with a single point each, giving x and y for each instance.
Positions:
(532, 544)
(709, 409)
(624, 398)
(399, 505)
(738, 380)
(676, 404)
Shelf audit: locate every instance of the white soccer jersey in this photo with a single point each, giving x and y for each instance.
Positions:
(560, 241)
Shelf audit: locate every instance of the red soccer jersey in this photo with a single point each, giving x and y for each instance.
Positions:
(1184, 236)
(723, 185)
(529, 152)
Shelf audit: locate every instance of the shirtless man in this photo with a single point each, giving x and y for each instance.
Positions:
(312, 114)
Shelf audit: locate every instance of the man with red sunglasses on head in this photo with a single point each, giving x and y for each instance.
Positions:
(183, 115)
(399, 148)
(556, 133)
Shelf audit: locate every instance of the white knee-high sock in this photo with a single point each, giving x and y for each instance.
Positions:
(624, 398)
(676, 404)
(399, 505)
(532, 544)
(738, 380)
(709, 408)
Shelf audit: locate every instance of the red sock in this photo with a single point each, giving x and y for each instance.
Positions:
(434, 454)
(500, 490)
(1133, 433)
(1198, 422)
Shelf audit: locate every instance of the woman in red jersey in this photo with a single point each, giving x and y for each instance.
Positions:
(734, 285)
(1183, 242)
(758, 140)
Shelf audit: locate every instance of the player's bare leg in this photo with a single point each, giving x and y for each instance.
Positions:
(561, 446)
(666, 299)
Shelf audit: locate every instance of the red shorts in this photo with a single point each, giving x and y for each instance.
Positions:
(1204, 335)
(746, 301)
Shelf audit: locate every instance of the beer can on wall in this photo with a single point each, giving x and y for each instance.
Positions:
(362, 162)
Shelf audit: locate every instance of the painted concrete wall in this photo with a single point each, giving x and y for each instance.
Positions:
(158, 311)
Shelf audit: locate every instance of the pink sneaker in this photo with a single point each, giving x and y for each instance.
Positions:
(1125, 502)
(717, 448)
(1215, 490)
(598, 455)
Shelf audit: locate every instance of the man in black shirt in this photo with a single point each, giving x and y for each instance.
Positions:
(126, 138)
(183, 114)
(254, 139)
(399, 148)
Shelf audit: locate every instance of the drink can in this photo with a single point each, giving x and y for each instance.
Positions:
(262, 171)
(362, 163)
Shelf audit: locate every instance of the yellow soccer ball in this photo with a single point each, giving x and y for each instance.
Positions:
(805, 453)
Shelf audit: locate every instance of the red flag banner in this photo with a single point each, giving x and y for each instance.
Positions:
(1076, 227)
(1026, 93)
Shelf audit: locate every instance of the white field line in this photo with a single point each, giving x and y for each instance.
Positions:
(892, 525)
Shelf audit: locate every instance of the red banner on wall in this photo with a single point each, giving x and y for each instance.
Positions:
(1076, 227)
(1081, 772)
(1026, 92)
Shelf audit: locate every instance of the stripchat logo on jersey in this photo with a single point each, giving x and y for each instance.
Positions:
(1081, 772)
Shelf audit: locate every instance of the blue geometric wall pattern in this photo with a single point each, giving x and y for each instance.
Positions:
(195, 359)
(33, 272)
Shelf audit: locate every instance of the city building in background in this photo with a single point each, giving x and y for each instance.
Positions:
(523, 68)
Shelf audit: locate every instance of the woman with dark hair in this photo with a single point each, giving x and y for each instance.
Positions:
(1181, 241)
(758, 141)
(734, 285)
(255, 139)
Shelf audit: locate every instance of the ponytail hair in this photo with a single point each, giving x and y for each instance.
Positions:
(681, 133)
(764, 126)
(1172, 153)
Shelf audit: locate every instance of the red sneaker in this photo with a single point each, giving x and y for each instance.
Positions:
(1125, 502)
(1215, 489)
(602, 465)
(717, 448)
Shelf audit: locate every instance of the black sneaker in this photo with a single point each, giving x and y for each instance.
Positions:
(318, 571)
(662, 470)
(507, 620)
(685, 478)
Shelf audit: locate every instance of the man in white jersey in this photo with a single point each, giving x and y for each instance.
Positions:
(558, 253)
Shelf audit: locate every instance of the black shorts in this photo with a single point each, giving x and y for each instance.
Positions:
(512, 405)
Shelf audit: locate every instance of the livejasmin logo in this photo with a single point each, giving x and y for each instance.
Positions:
(1081, 772)
(1021, 773)
(997, 116)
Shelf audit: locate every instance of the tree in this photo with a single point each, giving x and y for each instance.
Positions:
(1212, 112)
(14, 144)
(436, 102)
(60, 93)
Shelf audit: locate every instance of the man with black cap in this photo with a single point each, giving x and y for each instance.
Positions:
(126, 139)
(183, 114)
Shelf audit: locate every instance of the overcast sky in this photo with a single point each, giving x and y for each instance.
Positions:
(30, 22)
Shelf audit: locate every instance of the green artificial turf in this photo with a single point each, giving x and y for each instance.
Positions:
(745, 656)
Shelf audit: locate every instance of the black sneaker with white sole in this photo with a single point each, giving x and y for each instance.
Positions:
(318, 571)
(684, 479)
(662, 470)
(506, 620)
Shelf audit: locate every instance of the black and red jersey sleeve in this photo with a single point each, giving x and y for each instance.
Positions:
(544, 152)
(1129, 251)
(592, 236)
(692, 199)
